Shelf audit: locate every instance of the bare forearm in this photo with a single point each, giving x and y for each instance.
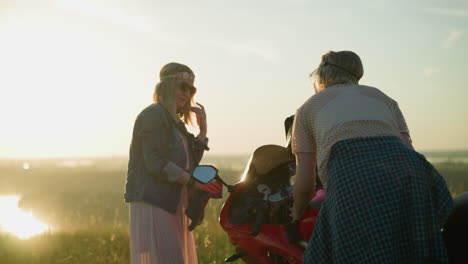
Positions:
(201, 121)
(305, 182)
(301, 201)
(202, 135)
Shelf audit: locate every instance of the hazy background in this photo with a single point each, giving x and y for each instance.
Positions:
(74, 74)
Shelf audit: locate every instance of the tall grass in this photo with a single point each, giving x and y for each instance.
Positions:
(91, 246)
(85, 205)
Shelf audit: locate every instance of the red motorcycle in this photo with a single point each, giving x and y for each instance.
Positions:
(256, 214)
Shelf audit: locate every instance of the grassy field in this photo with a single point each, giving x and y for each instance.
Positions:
(85, 206)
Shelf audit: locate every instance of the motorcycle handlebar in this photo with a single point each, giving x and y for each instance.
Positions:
(230, 188)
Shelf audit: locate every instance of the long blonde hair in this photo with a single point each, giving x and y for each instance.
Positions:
(339, 68)
(165, 91)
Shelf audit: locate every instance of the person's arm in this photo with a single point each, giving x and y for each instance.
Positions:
(201, 121)
(305, 182)
(212, 187)
(304, 148)
(154, 134)
(200, 142)
(402, 126)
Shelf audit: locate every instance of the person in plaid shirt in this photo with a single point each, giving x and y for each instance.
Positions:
(385, 202)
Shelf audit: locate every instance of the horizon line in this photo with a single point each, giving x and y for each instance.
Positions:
(97, 157)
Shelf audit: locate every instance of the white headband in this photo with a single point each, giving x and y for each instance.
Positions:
(184, 76)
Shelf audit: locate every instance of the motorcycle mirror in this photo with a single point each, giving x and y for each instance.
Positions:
(205, 173)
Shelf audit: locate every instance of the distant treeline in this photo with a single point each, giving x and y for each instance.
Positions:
(448, 154)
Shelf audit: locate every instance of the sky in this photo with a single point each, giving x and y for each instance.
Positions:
(75, 74)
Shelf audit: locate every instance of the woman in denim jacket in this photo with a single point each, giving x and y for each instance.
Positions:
(159, 183)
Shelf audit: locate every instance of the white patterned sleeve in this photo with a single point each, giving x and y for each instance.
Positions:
(400, 120)
(302, 138)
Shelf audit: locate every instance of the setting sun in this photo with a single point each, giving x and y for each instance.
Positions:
(17, 222)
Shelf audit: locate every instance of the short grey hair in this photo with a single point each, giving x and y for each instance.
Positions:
(340, 67)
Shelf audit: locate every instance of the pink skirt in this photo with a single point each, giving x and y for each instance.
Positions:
(159, 237)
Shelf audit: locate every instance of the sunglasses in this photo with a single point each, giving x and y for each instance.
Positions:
(186, 87)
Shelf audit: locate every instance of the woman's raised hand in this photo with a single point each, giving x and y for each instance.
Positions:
(211, 187)
(201, 119)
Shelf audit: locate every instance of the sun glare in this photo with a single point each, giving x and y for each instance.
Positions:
(18, 222)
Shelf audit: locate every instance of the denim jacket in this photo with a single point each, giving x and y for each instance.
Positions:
(156, 159)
